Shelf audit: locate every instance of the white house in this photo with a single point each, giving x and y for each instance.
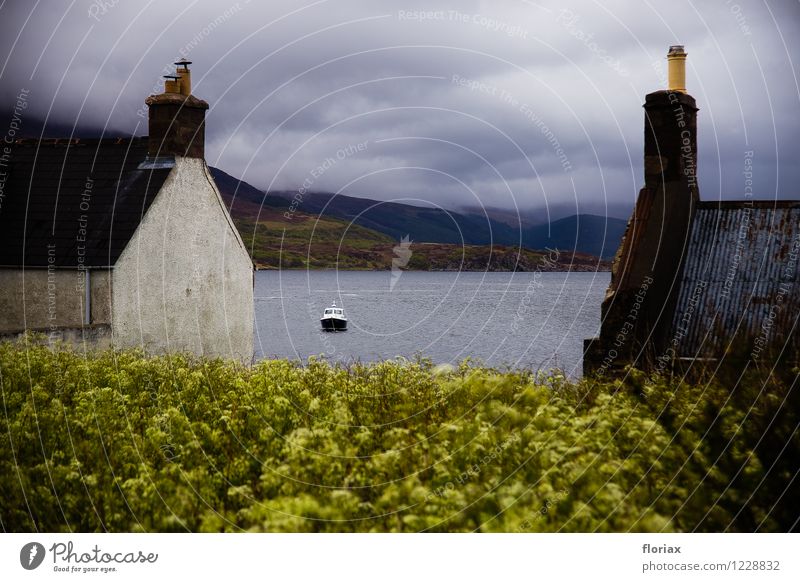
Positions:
(125, 241)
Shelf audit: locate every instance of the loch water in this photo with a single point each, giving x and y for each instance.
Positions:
(519, 320)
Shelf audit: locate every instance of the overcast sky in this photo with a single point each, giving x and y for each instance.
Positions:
(451, 101)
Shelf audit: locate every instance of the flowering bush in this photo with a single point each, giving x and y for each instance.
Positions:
(117, 441)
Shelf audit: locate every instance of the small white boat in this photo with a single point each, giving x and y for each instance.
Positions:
(334, 319)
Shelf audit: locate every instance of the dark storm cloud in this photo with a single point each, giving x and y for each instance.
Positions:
(460, 103)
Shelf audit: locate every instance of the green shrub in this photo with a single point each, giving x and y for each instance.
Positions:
(117, 441)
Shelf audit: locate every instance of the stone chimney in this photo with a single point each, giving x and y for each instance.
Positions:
(177, 118)
(637, 310)
(670, 131)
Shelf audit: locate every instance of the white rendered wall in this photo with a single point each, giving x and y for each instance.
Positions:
(185, 280)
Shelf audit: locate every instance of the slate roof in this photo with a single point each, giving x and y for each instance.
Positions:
(58, 191)
(740, 279)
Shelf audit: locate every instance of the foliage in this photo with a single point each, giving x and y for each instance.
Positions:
(117, 441)
(322, 242)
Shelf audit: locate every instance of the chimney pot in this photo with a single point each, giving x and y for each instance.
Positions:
(171, 84)
(185, 76)
(676, 59)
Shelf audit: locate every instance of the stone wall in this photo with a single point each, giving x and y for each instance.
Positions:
(41, 299)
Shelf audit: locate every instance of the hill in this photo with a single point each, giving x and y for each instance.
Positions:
(434, 225)
(327, 231)
(585, 233)
(588, 233)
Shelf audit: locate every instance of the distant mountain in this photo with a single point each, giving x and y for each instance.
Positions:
(246, 199)
(554, 211)
(398, 220)
(587, 233)
(584, 233)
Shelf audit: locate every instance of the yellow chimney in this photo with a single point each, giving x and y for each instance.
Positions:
(185, 76)
(676, 58)
(172, 84)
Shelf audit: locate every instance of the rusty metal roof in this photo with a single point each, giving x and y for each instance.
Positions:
(740, 289)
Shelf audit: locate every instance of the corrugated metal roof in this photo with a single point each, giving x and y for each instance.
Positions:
(740, 280)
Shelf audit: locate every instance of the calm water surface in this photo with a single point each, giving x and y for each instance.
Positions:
(522, 320)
